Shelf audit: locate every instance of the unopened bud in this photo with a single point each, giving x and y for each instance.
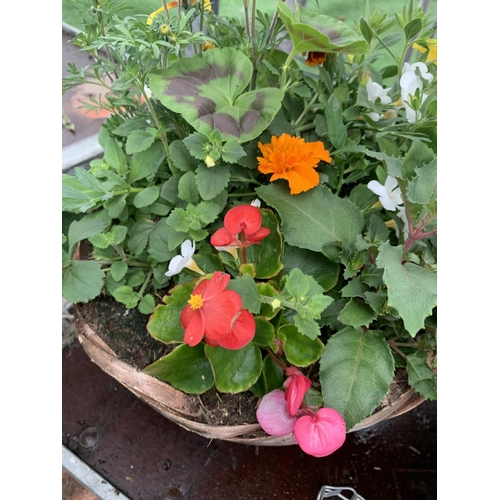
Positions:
(209, 161)
(363, 77)
(165, 29)
(275, 304)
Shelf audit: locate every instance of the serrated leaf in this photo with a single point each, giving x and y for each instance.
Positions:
(211, 181)
(138, 140)
(418, 155)
(197, 145)
(307, 327)
(235, 370)
(314, 218)
(181, 157)
(247, 289)
(147, 304)
(411, 289)
(85, 228)
(420, 375)
(185, 368)
(187, 188)
(164, 324)
(158, 242)
(232, 152)
(356, 313)
(82, 281)
(422, 188)
(299, 349)
(356, 370)
(118, 270)
(126, 295)
(337, 131)
(146, 163)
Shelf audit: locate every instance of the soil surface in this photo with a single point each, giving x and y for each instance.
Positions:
(125, 332)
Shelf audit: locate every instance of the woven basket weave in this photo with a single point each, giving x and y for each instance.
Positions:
(179, 408)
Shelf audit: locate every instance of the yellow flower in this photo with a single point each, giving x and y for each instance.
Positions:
(431, 47)
(170, 5)
(206, 6)
(293, 159)
(208, 46)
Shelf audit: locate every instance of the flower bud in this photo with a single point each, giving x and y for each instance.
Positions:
(209, 161)
(275, 304)
(165, 29)
(363, 77)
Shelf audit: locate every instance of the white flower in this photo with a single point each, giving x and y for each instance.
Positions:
(374, 116)
(402, 216)
(376, 91)
(410, 81)
(179, 262)
(389, 194)
(255, 203)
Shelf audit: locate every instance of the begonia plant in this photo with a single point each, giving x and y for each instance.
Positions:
(273, 178)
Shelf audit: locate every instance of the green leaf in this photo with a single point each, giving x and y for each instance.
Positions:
(235, 371)
(411, 289)
(356, 370)
(231, 152)
(271, 378)
(82, 281)
(181, 157)
(187, 188)
(307, 326)
(413, 28)
(147, 197)
(356, 313)
(297, 284)
(126, 295)
(164, 324)
(85, 228)
(422, 188)
(147, 304)
(314, 264)
(138, 140)
(320, 33)
(314, 218)
(418, 155)
(197, 145)
(118, 270)
(299, 349)
(264, 332)
(266, 255)
(211, 181)
(185, 368)
(139, 235)
(420, 376)
(337, 131)
(146, 163)
(113, 153)
(207, 90)
(158, 242)
(247, 289)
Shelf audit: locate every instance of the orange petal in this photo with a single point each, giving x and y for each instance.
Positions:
(302, 179)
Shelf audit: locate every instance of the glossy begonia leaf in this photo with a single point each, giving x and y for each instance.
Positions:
(164, 324)
(300, 350)
(264, 332)
(314, 264)
(271, 378)
(266, 255)
(314, 218)
(310, 31)
(235, 370)
(185, 368)
(356, 370)
(411, 289)
(207, 89)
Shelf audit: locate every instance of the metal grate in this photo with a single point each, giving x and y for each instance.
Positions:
(338, 492)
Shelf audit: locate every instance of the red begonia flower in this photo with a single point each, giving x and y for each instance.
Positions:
(296, 386)
(217, 314)
(244, 221)
(321, 434)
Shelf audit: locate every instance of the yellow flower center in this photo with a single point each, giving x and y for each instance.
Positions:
(195, 301)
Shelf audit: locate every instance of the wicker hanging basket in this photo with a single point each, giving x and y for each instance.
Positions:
(178, 407)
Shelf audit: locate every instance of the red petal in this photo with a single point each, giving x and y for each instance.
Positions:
(222, 238)
(259, 235)
(219, 313)
(214, 286)
(243, 217)
(322, 434)
(195, 329)
(242, 333)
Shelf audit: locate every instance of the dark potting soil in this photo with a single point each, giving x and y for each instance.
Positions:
(125, 332)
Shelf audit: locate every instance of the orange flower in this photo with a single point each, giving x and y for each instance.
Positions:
(315, 58)
(293, 159)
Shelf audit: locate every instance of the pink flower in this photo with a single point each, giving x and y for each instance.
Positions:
(296, 386)
(273, 416)
(321, 434)
(217, 314)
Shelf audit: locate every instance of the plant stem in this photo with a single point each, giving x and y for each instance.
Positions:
(165, 8)
(247, 25)
(145, 284)
(306, 110)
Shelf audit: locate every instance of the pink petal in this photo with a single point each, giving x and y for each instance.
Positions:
(296, 387)
(322, 434)
(273, 415)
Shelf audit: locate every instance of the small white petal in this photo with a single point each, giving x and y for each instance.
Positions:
(390, 183)
(374, 116)
(187, 249)
(256, 203)
(377, 188)
(175, 265)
